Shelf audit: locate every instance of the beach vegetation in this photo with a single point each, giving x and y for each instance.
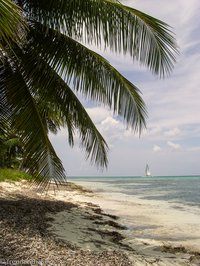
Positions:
(11, 150)
(8, 174)
(42, 77)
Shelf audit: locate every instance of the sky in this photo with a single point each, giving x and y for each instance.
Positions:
(171, 142)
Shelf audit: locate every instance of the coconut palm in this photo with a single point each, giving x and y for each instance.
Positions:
(40, 81)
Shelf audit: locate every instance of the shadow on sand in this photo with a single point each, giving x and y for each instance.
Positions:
(25, 235)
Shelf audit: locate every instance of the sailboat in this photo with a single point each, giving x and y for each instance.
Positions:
(147, 171)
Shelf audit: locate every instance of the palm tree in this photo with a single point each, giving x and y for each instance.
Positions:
(39, 81)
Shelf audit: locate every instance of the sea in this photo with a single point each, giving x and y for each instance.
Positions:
(176, 189)
(155, 210)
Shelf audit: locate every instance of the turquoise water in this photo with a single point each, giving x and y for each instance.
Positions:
(176, 189)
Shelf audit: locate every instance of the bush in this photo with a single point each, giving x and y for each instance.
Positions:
(13, 175)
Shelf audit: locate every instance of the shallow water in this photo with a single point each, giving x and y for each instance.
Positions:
(181, 189)
(156, 210)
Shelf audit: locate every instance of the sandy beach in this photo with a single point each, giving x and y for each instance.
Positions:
(71, 225)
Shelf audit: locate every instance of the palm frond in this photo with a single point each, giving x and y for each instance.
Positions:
(91, 74)
(67, 109)
(112, 24)
(12, 25)
(4, 109)
(41, 158)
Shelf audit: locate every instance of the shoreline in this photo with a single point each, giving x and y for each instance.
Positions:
(67, 228)
(152, 222)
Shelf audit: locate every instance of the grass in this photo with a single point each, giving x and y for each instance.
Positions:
(13, 175)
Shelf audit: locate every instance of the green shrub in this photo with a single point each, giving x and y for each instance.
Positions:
(13, 175)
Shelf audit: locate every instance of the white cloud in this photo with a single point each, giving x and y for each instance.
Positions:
(98, 114)
(110, 122)
(156, 148)
(112, 130)
(172, 132)
(154, 130)
(173, 145)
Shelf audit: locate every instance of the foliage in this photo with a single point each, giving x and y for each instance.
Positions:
(13, 26)
(40, 79)
(11, 151)
(13, 175)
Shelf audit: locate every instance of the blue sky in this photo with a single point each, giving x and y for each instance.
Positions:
(171, 143)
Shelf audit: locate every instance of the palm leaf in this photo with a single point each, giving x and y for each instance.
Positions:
(4, 110)
(12, 25)
(66, 107)
(117, 26)
(90, 74)
(40, 156)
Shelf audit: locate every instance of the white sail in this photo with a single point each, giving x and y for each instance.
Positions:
(147, 171)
